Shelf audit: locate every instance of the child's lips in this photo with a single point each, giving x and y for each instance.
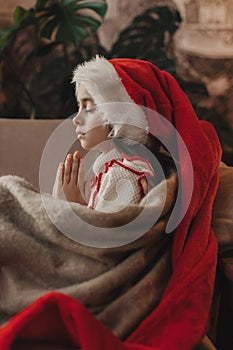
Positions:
(79, 134)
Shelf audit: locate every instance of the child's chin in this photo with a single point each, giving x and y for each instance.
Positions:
(85, 146)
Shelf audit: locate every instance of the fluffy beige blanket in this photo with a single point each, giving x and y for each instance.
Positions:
(120, 285)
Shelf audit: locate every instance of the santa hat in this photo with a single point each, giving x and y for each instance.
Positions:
(117, 100)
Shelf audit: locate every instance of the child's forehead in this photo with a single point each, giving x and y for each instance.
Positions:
(83, 94)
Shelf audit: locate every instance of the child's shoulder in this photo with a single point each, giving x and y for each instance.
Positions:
(134, 164)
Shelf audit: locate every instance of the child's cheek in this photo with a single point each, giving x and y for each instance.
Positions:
(94, 120)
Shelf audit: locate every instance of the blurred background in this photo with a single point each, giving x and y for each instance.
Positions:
(41, 42)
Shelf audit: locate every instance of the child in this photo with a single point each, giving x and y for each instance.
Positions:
(148, 298)
(111, 122)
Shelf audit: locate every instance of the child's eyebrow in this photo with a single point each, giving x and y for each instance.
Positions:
(86, 99)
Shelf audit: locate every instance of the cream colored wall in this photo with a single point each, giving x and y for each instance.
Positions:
(204, 52)
(208, 28)
(22, 142)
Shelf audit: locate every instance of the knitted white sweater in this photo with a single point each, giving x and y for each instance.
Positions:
(119, 181)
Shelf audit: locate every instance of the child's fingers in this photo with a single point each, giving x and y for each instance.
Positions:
(58, 180)
(75, 167)
(81, 171)
(68, 167)
(59, 175)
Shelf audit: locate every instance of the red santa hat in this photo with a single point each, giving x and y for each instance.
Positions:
(114, 93)
(128, 93)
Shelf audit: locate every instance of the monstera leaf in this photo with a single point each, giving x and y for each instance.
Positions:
(40, 49)
(65, 23)
(148, 35)
(61, 20)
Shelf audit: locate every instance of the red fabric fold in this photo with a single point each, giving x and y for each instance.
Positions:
(181, 318)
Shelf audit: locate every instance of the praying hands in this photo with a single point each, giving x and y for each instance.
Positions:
(66, 182)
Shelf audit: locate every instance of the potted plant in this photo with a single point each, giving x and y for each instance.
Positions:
(39, 51)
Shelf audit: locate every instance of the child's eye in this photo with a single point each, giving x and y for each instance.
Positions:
(90, 109)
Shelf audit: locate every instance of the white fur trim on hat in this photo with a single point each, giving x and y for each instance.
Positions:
(103, 83)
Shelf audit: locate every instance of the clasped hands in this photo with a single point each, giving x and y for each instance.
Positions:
(66, 183)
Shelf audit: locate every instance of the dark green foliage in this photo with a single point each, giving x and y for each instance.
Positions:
(148, 37)
(38, 53)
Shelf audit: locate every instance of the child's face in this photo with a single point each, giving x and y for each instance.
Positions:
(90, 129)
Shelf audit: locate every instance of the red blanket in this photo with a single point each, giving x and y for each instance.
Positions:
(181, 318)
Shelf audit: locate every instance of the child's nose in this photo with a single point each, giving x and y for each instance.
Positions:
(77, 120)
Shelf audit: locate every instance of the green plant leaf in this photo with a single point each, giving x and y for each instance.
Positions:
(61, 22)
(24, 17)
(6, 37)
(49, 28)
(47, 49)
(40, 4)
(145, 37)
(91, 22)
(70, 2)
(71, 33)
(70, 26)
(19, 14)
(98, 7)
